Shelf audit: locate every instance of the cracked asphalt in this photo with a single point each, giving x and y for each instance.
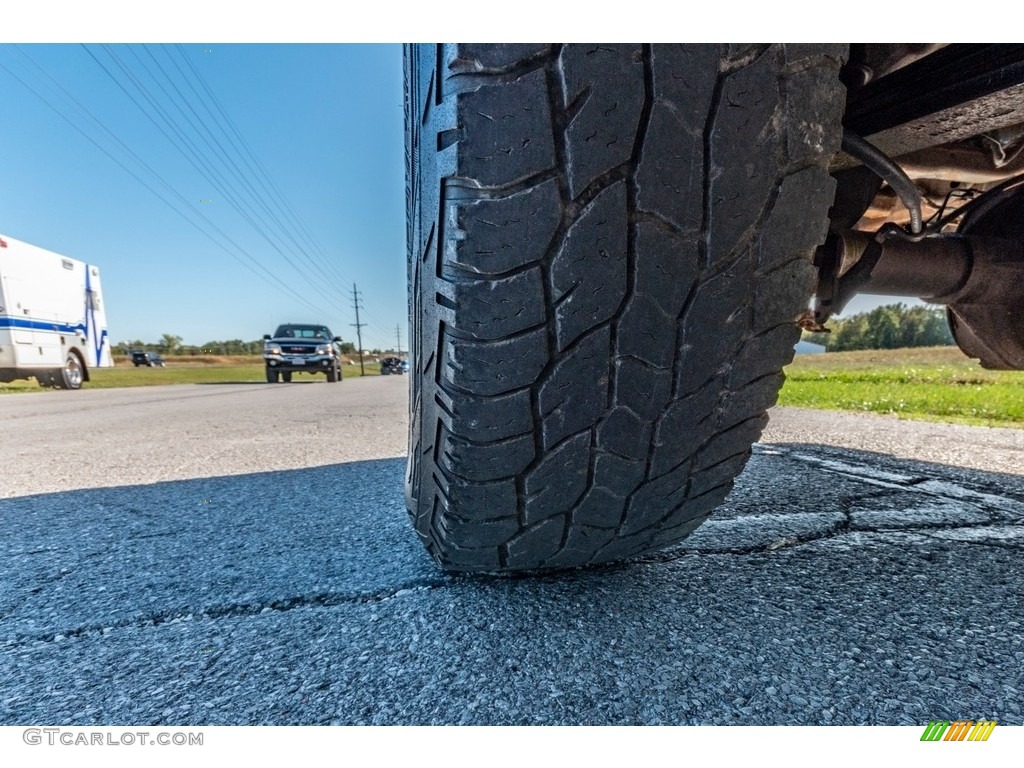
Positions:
(240, 554)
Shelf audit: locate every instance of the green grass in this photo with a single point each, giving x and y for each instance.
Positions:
(127, 375)
(932, 384)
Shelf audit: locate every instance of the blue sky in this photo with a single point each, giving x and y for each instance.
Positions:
(324, 120)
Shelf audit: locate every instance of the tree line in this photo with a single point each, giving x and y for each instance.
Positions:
(893, 326)
(169, 344)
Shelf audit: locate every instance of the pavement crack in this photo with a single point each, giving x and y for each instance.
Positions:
(1015, 546)
(317, 600)
(842, 528)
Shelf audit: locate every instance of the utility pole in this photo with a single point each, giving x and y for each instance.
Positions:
(398, 338)
(359, 327)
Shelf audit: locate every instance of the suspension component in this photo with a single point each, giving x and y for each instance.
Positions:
(980, 279)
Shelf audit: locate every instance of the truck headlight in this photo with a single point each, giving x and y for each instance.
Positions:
(323, 349)
(271, 349)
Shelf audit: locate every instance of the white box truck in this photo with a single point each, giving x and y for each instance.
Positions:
(53, 324)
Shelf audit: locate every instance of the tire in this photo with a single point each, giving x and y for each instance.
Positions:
(608, 250)
(286, 377)
(332, 374)
(272, 376)
(72, 374)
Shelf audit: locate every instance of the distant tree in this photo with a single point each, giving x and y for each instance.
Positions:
(892, 326)
(348, 348)
(169, 343)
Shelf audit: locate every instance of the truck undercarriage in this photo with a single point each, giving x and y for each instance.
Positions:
(929, 185)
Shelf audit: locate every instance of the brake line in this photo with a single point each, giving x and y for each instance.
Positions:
(879, 163)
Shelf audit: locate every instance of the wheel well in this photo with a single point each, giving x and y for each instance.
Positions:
(81, 361)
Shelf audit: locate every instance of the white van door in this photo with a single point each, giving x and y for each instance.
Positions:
(21, 333)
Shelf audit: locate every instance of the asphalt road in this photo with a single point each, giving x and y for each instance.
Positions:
(240, 554)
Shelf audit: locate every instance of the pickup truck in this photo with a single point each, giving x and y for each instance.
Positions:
(297, 348)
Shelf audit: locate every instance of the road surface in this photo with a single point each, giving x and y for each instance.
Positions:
(240, 554)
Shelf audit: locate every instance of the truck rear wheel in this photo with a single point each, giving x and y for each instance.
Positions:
(72, 374)
(608, 249)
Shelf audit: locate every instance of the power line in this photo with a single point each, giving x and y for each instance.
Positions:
(224, 155)
(201, 163)
(271, 280)
(264, 177)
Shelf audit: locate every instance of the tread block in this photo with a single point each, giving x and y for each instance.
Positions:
(483, 501)
(811, 120)
(718, 475)
(641, 388)
(797, 223)
(574, 394)
(719, 304)
(683, 427)
(581, 544)
(731, 442)
(496, 236)
(493, 309)
(666, 267)
(485, 461)
(600, 508)
(700, 506)
(616, 474)
(624, 433)
(483, 57)
(558, 481)
(532, 547)
(477, 533)
(744, 153)
(486, 419)
(497, 367)
(506, 131)
(764, 354)
(752, 399)
(623, 547)
(655, 500)
(678, 526)
(670, 172)
(467, 559)
(609, 81)
(642, 330)
(588, 274)
(782, 294)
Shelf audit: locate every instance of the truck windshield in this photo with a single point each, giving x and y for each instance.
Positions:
(303, 332)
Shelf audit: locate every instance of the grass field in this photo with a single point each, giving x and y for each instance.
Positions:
(933, 383)
(183, 370)
(930, 383)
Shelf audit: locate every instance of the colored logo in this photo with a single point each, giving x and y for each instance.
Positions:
(959, 730)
